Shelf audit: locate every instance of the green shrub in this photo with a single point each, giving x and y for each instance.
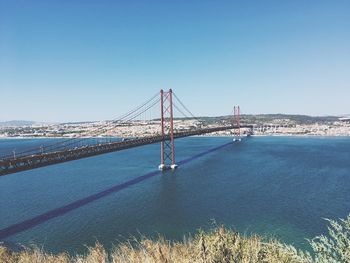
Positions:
(335, 247)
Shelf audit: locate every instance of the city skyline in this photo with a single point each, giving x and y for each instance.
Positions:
(83, 61)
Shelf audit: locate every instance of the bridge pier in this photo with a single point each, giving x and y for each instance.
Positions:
(236, 124)
(167, 145)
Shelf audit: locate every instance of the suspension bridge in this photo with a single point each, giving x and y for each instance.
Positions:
(83, 146)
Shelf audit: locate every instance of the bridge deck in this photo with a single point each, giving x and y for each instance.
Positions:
(28, 162)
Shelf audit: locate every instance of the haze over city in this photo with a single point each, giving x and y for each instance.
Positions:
(87, 60)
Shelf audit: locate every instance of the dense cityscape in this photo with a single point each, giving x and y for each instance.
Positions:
(286, 125)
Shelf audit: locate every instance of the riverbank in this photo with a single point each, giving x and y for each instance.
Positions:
(218, 245)
(290, 127)
(202, 136)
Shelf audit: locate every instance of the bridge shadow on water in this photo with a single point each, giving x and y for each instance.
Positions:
(37, 220)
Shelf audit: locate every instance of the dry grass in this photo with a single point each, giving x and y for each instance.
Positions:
(220, 245)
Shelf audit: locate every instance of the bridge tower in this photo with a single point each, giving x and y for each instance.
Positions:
(167, 147)
(236, 124)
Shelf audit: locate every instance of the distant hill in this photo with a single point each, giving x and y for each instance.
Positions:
(245, 118)
(276, 119)
(16, 123)
(296, 119)
(77, 122)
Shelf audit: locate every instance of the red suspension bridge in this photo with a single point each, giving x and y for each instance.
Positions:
(83, 146)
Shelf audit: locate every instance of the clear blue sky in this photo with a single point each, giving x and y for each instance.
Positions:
(73, 60)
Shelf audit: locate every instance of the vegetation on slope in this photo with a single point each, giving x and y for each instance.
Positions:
(220, 245)
(261, 119)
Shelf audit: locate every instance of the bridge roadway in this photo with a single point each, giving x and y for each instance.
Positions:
(28, 162)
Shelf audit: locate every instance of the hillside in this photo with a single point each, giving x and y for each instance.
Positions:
(219, 245)
(276, 119)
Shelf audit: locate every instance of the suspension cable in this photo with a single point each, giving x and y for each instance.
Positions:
(132, 113)
(186, 109)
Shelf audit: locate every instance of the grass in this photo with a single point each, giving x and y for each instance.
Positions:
(219, 245)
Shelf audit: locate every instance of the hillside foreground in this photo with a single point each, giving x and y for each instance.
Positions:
(219, 245)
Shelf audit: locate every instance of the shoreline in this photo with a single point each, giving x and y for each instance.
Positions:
(206, 136)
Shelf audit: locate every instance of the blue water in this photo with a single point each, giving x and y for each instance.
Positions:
(279, 187)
